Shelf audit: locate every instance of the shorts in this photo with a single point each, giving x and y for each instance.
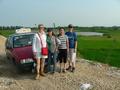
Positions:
(39, 56)
(44, 56)
(72, 55)
(62, 56)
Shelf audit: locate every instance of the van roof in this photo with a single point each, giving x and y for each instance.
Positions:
(18, 34)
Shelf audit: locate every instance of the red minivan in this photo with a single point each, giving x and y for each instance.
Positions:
(19, 50)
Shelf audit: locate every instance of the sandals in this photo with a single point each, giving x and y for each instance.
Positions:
(69, 68)
(64, 70)
(37, 77)
(42, 74)
(73, 69)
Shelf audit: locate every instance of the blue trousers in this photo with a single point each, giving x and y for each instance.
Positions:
(52, 59)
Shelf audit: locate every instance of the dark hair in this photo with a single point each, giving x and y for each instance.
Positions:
(49, 30)
(61, 28)
(53, 34)
(70, 26)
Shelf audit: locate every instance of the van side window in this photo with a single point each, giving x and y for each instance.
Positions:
(9, 42)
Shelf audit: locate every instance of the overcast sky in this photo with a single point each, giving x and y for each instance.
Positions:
(60, 12)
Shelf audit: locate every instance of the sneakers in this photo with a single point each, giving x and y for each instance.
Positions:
(69, 68)
(64, 70)
(38, 76)
(60, 71)
(53, 72)
(73, 69)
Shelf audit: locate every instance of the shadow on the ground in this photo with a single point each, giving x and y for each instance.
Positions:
(9, 70)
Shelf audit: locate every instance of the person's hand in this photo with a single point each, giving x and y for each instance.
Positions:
(34, 54)
(56, 50)
(67, 50)
(75, 50)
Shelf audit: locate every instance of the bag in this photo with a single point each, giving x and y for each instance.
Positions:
(44, 51)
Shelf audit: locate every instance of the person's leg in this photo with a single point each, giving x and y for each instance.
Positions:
(65, 59)
(60, 67)
(38, 69)
(60, 64)
(69, 60)
(64, 70)
(60, 59)
(73, 66)
(49, 62)
(73, 61)
(69, 65)
(54, 61)
(42, 61)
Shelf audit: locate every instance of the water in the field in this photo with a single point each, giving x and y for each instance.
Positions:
(90, 33)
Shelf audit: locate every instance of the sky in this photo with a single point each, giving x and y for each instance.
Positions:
(61, 12)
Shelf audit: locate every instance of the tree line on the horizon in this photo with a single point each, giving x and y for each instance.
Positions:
(77, 28)
(10, 27)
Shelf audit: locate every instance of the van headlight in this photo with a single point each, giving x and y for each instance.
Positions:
(29, 60)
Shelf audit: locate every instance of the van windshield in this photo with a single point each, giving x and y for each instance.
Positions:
(23, 40)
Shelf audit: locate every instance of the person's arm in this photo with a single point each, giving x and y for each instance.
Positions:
(67, 42)
(34, 45)
(58, 42)
(56, 49)
(75, 46)
(75, 39)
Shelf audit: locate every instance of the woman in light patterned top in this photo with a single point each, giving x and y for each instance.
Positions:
(39, 41)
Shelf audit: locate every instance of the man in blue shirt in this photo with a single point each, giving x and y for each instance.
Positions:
(72, 37)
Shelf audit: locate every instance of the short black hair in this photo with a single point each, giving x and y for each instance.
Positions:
(49, 30)
(70, 26)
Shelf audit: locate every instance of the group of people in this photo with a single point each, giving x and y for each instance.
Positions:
(61, 48)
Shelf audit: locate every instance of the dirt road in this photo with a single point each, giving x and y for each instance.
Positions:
(100, 76)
